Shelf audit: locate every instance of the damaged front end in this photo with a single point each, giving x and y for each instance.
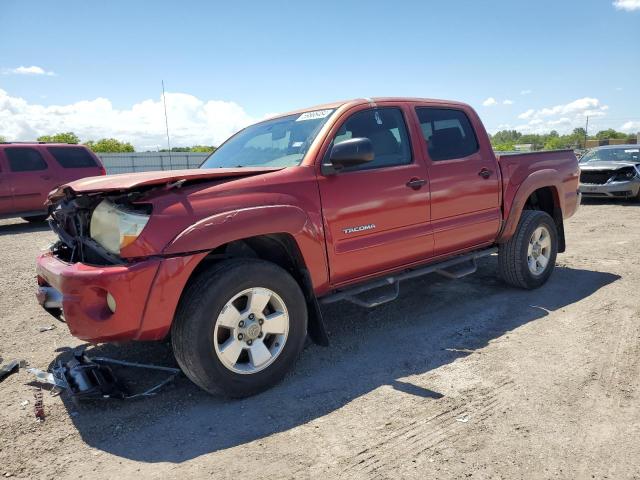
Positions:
(93, 228)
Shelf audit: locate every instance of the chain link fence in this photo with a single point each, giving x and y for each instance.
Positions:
(149, 161)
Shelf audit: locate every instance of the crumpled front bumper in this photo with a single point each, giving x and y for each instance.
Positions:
(624, 189)
(146, 294)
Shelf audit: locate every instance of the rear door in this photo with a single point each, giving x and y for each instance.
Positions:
(31, 178)
(464, 178)
(6, 198)
(73, 162)
(376, 215)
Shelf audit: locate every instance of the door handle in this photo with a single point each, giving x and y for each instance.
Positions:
(416, 183)
(485, 173)
(46, 177)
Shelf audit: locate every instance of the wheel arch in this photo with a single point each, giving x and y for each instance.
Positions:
(542, 190)
(282, 249)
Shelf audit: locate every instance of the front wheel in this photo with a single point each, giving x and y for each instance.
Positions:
(240, 327)
(529, 257)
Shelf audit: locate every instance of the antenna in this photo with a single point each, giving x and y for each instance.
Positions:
(166, 122)
(586, 132)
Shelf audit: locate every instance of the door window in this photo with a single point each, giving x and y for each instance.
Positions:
(448, 133)
(386, 129)
(72, 157)
(25, 159)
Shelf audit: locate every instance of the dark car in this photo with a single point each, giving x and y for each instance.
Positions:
(611, 171)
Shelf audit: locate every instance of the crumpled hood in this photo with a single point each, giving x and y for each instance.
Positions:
(130, 181)
(607, 165)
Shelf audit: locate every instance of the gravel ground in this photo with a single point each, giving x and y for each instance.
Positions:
(456, 379)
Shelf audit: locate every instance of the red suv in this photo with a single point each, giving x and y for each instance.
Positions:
(29, 171)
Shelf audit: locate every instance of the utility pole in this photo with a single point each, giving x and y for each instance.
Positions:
(166, 122)
(586, 132)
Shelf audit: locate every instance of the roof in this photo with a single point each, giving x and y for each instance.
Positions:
(372, 100)
(31, 144)
(622, 145)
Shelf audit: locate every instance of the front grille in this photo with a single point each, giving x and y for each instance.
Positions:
(595, 177)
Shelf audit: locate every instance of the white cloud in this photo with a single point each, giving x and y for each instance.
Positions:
(563, 117)
(630, 127)
(507, 102)
(490, 102)
(527, 114)
(191, 120)
(32, 70)
(627, 5)
(526, 92)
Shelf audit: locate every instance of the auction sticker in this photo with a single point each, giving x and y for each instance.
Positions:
(313, 115)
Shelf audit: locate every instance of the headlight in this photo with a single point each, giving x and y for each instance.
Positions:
(114, 227)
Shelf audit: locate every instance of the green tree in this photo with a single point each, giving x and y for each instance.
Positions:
(508, 137)
(109, 145)
(65, 137)
(203, 148)
(554, 142)
(2, 139)
(195, 148)
(610, 133)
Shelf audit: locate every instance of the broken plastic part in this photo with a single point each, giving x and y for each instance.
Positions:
(11, 367)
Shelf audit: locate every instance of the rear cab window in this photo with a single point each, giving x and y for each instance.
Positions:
(72, 157)
(387, 130)
(25, 159)
(448, 133)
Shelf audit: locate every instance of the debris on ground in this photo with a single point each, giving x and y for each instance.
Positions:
(38, 406)
(11, 367)
(463, 419)
(46, 328)
(88, 378)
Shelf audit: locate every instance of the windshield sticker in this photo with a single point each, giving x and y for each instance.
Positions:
(378, 119)
(633, 150)
(315, 115)
(297, 144)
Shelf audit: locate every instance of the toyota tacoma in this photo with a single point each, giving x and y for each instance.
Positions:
(340, 202)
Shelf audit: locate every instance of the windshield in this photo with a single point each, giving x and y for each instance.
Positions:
(622, 154)
(281, 142)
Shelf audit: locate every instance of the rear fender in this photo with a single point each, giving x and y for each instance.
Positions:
(515, 198)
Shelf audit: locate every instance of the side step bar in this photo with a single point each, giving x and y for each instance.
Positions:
(456, 267)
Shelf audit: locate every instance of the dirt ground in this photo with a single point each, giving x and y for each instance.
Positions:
(456, 379)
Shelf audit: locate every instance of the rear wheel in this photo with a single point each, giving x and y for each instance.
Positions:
(240, 327)
(529, 257)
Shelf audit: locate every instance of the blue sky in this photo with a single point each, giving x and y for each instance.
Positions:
(98, 66)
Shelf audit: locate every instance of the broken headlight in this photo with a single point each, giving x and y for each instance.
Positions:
(114, 226)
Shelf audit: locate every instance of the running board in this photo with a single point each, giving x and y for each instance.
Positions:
(453, 268)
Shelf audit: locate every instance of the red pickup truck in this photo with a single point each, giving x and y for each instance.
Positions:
(337, 202)
(30, 171)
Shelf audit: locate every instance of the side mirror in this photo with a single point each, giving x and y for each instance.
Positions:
(349, 153)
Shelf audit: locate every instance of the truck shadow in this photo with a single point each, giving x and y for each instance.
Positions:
(19, 227)
(434, 323)
(623, 202)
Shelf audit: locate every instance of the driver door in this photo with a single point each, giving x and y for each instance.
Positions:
(376, 215)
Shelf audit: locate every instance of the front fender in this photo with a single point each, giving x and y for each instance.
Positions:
(225, 227)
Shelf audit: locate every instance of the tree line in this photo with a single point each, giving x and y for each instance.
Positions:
(506, 140)
(110, 145)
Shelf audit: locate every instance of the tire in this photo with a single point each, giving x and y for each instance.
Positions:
(514, 265)
(200, 333)
(36, 218)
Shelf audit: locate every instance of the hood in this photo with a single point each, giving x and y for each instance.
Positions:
(607, 165)
(130, 181)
